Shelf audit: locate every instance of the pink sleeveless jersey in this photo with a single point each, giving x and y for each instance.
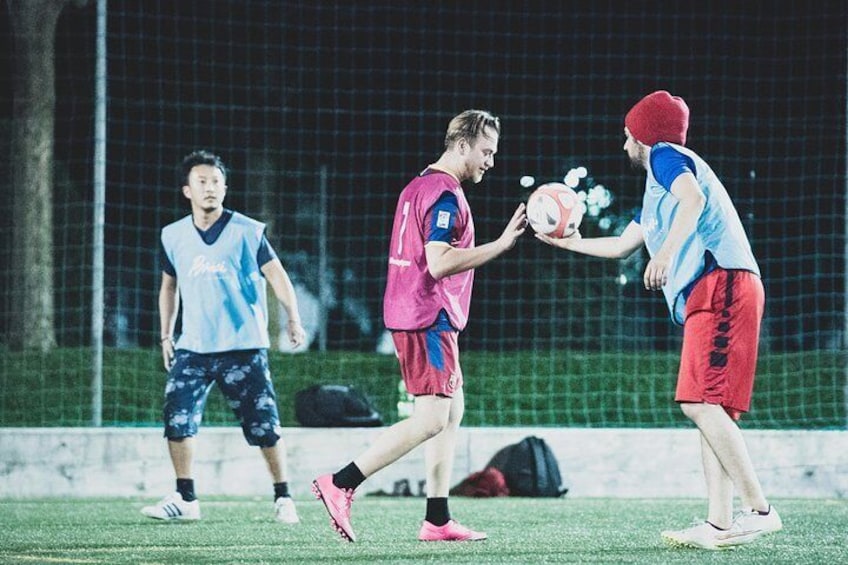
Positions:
(413, 297)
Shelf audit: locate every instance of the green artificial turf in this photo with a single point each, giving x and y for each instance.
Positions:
(521, 530)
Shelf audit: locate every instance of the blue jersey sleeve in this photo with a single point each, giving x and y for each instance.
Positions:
(165, 263)
(442, 218)
(667, 164)
(265, 253)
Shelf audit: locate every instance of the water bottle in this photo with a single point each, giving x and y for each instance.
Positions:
(405, 401)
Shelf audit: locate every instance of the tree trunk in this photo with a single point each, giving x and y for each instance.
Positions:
(33, 25)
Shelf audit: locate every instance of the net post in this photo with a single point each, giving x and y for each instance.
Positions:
(845, 286)
(323, 290)
(97, 294)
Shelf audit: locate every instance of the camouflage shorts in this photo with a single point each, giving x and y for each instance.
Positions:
(242, 376)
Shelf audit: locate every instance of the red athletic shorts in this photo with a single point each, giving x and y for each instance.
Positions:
(720, 339)
(429, 361)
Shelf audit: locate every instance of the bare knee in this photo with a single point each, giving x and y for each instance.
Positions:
(432, 414)
(434, 426)
(430, 424)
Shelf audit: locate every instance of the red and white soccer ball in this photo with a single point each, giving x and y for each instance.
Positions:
(554, 210)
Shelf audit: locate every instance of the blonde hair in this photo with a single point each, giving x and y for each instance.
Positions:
(469, 125)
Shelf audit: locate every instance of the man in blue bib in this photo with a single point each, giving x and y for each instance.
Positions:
(702, 261)
(215, 263)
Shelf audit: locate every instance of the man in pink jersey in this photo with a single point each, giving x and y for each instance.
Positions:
(431, 265)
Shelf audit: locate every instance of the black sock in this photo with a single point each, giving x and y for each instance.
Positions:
(281, 490)
(437, 511)
(186, 489)
(350, 477)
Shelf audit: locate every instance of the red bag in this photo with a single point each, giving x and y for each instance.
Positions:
(481, 484)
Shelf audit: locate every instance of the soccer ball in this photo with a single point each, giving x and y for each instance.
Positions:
(554, 210)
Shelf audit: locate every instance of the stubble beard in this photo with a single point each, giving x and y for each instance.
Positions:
(636, 161)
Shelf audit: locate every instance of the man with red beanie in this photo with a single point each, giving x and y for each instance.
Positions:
(701, 260)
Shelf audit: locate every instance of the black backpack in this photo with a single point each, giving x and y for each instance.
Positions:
(530, 468)
(335, 406)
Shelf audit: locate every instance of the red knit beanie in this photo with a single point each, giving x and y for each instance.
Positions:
(659, 116)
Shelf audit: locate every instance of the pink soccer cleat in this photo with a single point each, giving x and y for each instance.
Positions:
(337, 501)
(452, 531)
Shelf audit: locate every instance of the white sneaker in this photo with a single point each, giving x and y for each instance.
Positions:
(749, 524)
(285, 511)
(173, 507)
(702, 536)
